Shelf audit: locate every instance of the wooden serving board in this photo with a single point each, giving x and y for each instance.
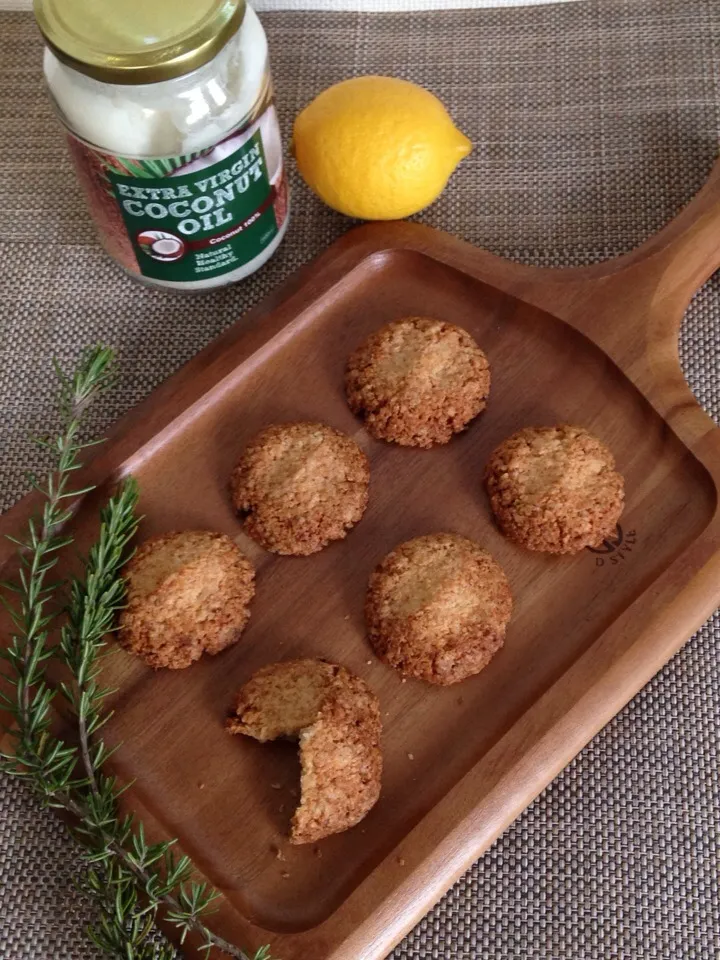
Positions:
(596, 346)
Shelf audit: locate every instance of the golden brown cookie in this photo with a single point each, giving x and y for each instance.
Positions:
(437, 608)
(299, 486)
(555, 489)
(417, 381)
(188, 593)
(336, 717)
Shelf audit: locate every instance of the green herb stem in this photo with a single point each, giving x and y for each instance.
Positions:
(131, 880)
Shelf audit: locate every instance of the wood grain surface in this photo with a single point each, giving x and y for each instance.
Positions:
(595, 346)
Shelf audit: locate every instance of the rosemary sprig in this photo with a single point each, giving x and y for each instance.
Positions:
(36, 755)
(133, 882)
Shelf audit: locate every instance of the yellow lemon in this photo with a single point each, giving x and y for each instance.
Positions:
(377, 148)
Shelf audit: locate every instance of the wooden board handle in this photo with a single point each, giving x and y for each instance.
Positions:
(631, 306)
(648, 288)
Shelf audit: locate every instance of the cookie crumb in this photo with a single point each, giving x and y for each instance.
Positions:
(411, 756)
(401, 861)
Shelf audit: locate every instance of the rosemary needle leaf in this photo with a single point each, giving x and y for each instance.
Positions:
(133, 882)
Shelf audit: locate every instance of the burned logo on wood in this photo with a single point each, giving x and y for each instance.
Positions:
(615, 549)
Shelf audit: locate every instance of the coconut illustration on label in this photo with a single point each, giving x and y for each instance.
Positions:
(160, 246)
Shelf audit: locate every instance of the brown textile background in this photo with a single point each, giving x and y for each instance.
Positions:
(594, 123)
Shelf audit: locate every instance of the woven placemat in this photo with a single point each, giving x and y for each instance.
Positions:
(595, 122)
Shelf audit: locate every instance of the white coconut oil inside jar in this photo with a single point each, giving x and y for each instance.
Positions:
(184, 176)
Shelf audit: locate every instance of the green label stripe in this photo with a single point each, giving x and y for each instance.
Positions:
(193, 225)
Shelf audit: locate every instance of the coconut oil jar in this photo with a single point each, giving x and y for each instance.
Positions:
(169, 113)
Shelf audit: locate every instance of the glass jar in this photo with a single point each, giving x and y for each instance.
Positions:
(172, 128)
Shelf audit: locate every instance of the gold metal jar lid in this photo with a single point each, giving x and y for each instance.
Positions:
(137, 41)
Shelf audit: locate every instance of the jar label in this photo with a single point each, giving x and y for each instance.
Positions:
(193, 217)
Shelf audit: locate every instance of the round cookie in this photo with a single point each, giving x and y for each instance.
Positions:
(417, 381)
(555, 489)
(336, 718)
(299, 486)
(437, 608)
(188, 593)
